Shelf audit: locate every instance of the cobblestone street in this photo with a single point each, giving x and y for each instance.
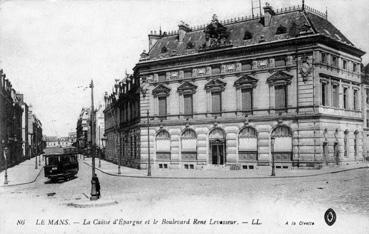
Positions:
(274, 201)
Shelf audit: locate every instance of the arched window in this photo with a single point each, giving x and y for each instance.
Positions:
(188, 143)
(163, 145)
(282, 148)
(217, 134)
(345, 143)
(247, 144)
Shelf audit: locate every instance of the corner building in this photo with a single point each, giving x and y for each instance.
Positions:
(221, 94)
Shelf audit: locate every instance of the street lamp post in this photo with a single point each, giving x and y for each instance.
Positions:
(148, 145)
(94, 195)
(272, 152)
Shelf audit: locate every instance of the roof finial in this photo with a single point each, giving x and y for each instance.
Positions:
(326, 12)
(303, 5)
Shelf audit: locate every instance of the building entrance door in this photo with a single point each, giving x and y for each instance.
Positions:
(217, 153)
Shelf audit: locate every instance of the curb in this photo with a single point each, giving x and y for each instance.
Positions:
(228, 178)
(76, 205)
(30, 182)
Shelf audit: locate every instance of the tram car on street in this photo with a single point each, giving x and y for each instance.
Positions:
(61, 163)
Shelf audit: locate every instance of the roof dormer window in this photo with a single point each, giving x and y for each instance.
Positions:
(164, 49)
(190, 45)
(281, 30)
(247, 35)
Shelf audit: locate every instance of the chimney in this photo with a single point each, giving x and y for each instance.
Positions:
(153, 38)
(268, 13)
(183, 28)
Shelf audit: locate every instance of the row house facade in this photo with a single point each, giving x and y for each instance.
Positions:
(286, 84)
(14, 125)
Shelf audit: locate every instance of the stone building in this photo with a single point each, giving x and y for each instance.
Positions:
(82, 130)
(14, 124)
(286, 84)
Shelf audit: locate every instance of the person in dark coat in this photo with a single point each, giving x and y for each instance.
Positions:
(97, 182)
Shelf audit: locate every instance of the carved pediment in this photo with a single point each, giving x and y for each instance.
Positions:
(216, 35)
(280, 78)
(161, 91)
(215, 85)
(187, 88)
(245, 81)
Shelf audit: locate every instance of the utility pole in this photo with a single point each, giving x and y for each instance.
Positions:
(94, 195)
(148, 145)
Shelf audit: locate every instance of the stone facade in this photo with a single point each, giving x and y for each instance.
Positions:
(238, 92)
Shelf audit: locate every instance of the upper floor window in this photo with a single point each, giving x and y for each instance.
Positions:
(324, 94)
(216, 102)
(161, 92)
(334, 61)
(356, 67)
(335, 95)
(324, 58)
(187, 89)
(246, 84)
(188, 104)
(162, 106)
(356, 99)
(280, 80)
(345, 98)
(247, 98)
(344, 64)
(215, 87)
(281, 97)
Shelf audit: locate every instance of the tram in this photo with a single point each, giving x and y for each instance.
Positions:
(61, 163)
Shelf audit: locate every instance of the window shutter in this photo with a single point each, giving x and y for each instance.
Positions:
(162, 106)
(188, 104)
(216, 102)
(280, 97)
(246, 99)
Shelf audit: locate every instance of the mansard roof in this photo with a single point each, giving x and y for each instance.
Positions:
(297, 22)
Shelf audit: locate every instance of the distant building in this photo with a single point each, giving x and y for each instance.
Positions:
(83, 129)
(25, 143)
(100, 125)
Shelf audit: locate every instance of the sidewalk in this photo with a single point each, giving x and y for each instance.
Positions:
(23, 173)
(221, 173)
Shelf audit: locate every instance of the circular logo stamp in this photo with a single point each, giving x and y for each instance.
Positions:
(330, 217)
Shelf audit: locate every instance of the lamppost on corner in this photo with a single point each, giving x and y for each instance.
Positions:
(5, 152)
(272, 153)
(144, 92)
(94, 194)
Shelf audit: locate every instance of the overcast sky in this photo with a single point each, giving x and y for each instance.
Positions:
(49, 48)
